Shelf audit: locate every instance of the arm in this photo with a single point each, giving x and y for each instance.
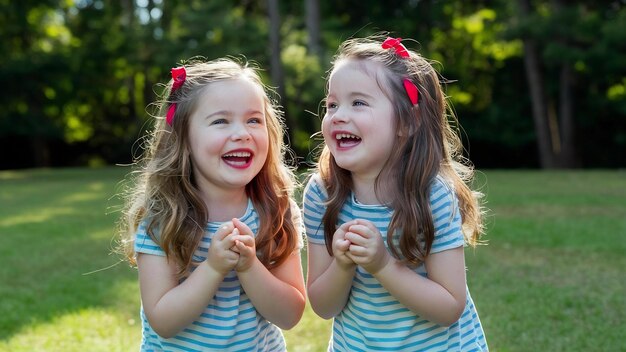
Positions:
(439, 298)
(278, 295)
(170, 305)
(329, 279)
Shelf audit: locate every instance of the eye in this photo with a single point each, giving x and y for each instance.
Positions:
(331, 105)
(255, 120)
(359, 103)
(219, 122)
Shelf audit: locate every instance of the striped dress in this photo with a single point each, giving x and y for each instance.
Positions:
(229, 323)
(372, 319)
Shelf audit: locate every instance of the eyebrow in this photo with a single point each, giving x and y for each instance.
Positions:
(353, 94)
(219, 113)
(230, 113)
(360, 94)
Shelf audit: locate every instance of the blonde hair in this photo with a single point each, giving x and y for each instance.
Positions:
(165, 197)
(427, 147)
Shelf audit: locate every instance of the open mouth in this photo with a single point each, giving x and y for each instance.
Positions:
(347, 140)
(239, 159)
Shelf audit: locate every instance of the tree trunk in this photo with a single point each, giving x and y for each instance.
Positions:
(568, 152)
(538, 99)
(312, 13)
(567, 156)
(41, 153)
(276, 69)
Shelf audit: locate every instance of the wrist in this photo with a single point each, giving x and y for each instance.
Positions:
(345, 267)
(248, 266)
(388, 264)
(212, 271)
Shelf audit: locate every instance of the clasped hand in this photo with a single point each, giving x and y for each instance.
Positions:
(359, 242)
(232, 247)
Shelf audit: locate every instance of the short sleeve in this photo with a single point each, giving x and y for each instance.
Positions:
(313, 206)
(446, 217)
(145, 244)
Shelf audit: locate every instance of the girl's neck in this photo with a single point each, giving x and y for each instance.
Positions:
(365, 191)
(224, 205)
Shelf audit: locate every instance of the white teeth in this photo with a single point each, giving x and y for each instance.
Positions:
(346, 135)
(238, 154)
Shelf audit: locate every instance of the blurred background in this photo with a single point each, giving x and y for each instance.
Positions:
(535, 84)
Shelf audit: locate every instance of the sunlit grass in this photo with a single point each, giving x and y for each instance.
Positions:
(310, 335)
(550, 279)
(83, 330)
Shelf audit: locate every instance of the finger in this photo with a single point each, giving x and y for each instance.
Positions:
(241, 246)
(363, 230)
(343, 228)
(232, 255)
(355, 238)
(342, 244)
(357, 251)
(243, 228)
(346, 225)
(236, 247)
(224, 230)
(230, 239)
(246, 240)
(352, 257)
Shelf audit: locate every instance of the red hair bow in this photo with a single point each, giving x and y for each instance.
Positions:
(396, 44)
(411, 90)
(409, 87)
(179, 74)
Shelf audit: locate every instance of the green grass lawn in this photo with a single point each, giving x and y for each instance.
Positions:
(551, 278)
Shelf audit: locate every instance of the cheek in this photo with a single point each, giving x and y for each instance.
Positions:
(192, 145)
(263, 141)
(326, 128)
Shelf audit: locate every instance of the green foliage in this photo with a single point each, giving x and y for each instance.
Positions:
(81, 74)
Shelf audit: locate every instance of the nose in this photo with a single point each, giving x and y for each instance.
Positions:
(240, 133)
(340, 115)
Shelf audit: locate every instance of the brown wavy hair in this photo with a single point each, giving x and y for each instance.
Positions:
(164, 193)
(428, 145)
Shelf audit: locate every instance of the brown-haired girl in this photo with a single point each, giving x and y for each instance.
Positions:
(389, 210)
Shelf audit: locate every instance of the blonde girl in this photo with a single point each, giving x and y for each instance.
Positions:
(211, 224)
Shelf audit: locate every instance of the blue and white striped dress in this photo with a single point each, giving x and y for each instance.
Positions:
(229, 323)
(372, 319)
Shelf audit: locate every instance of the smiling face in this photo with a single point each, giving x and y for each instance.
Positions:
(228, 136)
(359, 127)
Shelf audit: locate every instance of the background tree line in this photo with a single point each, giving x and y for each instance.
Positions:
(534, 83)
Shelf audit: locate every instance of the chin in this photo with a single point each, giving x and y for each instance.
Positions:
(346, 166)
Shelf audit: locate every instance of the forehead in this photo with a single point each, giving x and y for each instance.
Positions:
(236, 97)
(236, 91)
(243, 84)
(359, 74)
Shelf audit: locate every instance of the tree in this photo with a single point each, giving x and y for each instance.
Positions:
(312, 14)
(276, 67)
(35, 44)
(555, 131)
(559, 56)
